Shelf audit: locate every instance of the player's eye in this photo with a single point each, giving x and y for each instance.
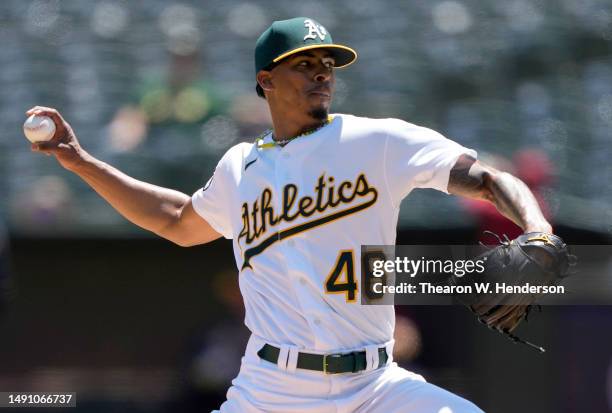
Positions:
(328, 62)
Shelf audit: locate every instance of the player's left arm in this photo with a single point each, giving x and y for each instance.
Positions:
(511, 197)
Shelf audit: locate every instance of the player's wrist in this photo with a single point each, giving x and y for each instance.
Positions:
(539, 227)
(80, 161)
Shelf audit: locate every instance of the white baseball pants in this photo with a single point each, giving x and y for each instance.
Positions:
(265, 387)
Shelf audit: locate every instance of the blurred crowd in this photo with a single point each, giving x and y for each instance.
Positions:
(162, 88)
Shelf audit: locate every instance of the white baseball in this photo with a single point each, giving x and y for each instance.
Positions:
(39, 128)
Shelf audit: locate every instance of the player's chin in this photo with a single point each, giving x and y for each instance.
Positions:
(320, 108)
(319, 112)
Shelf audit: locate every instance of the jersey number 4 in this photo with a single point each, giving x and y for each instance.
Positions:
(342, 277)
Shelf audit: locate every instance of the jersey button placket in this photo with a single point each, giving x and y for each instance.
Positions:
(297, 267)
(279, 182)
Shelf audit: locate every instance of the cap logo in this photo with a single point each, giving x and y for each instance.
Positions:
(314, 30)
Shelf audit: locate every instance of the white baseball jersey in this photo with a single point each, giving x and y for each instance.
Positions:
(299, 214)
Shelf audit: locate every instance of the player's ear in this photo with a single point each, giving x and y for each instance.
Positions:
(264, 78)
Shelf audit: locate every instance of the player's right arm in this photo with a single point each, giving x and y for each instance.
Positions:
(164, 211)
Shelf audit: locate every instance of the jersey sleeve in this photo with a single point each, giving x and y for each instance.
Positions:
(418, 157)
(212, 202)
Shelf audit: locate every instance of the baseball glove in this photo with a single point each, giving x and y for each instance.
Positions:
(535, 259)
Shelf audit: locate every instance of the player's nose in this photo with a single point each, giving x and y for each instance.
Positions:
(323, 74)
(322, 77)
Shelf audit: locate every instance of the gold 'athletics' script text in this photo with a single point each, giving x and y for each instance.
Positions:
(260, 216)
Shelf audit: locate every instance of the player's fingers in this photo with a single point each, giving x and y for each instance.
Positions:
(37, 147)
(47, 111)
(37, 109)
(31, 110)
(47, 146)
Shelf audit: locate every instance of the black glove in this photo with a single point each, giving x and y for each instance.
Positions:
(536, 258)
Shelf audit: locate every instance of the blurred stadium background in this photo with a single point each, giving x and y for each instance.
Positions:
(162, 88)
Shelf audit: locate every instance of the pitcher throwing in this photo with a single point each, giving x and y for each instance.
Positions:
(298, 204)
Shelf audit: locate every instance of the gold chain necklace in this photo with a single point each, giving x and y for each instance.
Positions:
(286, 141)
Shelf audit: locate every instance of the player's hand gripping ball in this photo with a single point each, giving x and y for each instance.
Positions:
(39, 128)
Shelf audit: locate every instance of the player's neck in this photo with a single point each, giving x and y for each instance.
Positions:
(287, 128)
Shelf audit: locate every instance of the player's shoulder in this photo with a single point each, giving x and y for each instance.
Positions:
(237, 153)
(392, 127)
(241, 152)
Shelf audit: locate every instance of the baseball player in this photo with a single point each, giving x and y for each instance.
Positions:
(298, 204)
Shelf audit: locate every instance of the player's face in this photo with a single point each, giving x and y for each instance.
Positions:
(305, 82)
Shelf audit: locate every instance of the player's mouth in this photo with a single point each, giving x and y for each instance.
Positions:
(320, 91)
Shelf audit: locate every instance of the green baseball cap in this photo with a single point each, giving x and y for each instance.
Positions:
(286, 37)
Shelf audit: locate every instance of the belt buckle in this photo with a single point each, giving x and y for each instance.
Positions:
(325, 364)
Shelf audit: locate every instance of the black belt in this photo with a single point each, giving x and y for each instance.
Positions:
(327, 363)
